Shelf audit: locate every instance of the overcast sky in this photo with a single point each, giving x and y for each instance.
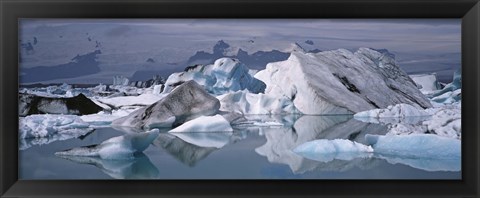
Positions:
(126, 44)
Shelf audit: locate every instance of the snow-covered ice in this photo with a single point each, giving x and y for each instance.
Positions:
(122, 101)
(314, 82)
(224, 76)
(327, 150)
(216, 123)
(248, 103)
(393, 111)
(120, 147)
(427, 83)
(39, 126)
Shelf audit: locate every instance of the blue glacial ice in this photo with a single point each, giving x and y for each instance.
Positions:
(427, 146)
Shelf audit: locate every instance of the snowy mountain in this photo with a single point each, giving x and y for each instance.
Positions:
(255, 60)
(80, 65)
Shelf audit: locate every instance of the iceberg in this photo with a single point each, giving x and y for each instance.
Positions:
(327, 150)
(41, 126)
(186, 102)
(445, 121)
(225, 75)
(139, 167)
(216, 123)
(121, 147)
(244, 102)
(394, 111)
(78, 105)
(427, 83)
(426, 146)
(333, 82)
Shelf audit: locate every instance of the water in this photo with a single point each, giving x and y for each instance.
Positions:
(249, 153)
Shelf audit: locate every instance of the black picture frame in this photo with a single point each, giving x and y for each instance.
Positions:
(12, 10)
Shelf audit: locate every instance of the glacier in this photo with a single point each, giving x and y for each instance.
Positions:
(120, 147)
(316, 81)
(225, 75)
(186, 102)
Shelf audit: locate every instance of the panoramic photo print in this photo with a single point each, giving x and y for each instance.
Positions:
(239, 99)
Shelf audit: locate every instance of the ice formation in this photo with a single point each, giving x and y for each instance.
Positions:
(315, 82)
(216, 123)
(416, 146)
(244, 102)
(120, 147)
(394, 111)
(186, 102)
(427, 83)
(327, 150)
(40, 126)
(224, 76)
(78, 105)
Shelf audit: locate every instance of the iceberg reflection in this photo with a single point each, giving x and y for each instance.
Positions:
(139, 167)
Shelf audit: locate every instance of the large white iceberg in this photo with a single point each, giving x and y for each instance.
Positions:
(427, 83)
(416, 146)
(244, 102)
(224, 76)
(334, 82)
(40, 126)
(120, 147)
(186, 102)
(327, 150)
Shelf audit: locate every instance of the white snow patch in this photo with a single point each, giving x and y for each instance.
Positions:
(216, 123)
(38, 126)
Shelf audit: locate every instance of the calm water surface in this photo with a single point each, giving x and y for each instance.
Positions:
(247, 153)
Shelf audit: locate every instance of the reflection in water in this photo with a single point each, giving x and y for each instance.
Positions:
(139, 167)
(281, 142)
(24, 144)
(205, 139)
(185, 152)
(423, 163)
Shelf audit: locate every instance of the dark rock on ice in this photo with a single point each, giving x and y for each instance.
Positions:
(79, 105)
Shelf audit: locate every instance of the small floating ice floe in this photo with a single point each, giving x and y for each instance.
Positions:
(327, 150)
